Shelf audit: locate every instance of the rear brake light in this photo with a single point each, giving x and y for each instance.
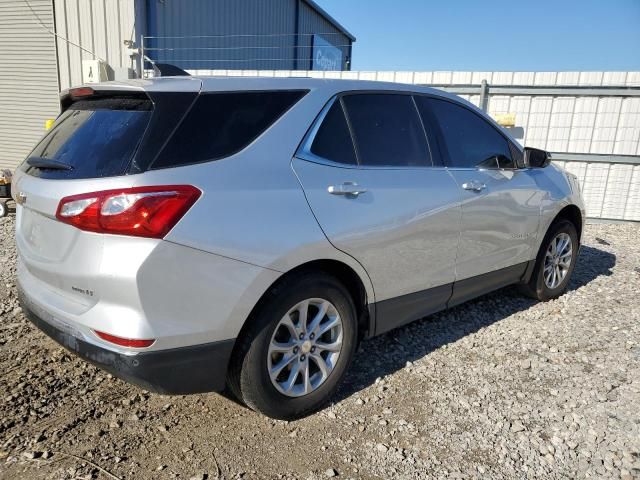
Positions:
(124, 342)
(141, 211)
(81, 92)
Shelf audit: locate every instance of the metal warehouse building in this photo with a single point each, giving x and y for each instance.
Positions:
(49, 45)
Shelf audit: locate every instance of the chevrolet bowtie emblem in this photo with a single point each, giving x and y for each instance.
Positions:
(21, 199)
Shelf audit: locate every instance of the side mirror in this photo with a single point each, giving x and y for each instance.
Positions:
(536, 158)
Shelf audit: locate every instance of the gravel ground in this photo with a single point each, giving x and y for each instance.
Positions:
(500, 387)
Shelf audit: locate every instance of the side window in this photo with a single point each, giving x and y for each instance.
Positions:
(221, 124)
(387, 130)
(333, 140)
(470, 141)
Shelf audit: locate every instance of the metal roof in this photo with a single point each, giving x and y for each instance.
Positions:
(329, 18)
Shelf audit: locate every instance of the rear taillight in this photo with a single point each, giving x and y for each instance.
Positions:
(125, 342)
(140, 211)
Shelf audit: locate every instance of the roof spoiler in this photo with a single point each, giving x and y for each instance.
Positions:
(168, 70)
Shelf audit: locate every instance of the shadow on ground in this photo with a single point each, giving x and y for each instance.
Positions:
(390, 352)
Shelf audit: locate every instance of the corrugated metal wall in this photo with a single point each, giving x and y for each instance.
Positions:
(28, 73)
(100, 26)
(312, 23)
(222, 34)
(607, 125)
(228, 34)
(610, 190)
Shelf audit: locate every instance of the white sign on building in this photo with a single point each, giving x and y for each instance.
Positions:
(325, 56)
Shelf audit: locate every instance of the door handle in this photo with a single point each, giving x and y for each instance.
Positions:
(347, 188)
(474, 186)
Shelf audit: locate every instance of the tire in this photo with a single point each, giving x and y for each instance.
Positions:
(4, 210)
(249, 377)
(540, 287)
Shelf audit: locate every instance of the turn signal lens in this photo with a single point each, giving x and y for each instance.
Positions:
(124, 342)
(141, 211)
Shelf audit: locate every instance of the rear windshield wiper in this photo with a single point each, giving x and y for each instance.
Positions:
(45, 163)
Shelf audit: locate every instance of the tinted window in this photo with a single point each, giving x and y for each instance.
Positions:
(387, 130)
(517, 156)
(470, 140)
(97, 138)
(333, 140)
(506, 162)
(221, 124)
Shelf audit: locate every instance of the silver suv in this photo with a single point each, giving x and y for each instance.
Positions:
(189, 234)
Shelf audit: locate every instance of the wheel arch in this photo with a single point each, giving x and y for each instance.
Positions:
(344, 273)
(570, 212)
(573, 214)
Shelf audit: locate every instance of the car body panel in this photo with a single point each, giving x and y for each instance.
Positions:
(561, 189)
(499, 223)
(144, 296)
(404, 229)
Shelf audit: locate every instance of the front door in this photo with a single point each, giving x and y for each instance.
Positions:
(500, 201)
(385, 203)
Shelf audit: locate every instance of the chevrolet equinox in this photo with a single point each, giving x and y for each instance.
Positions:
(191, 234)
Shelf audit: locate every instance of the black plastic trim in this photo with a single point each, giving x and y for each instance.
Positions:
(487, 282)
(398, 311)
(180, 371)
(526, 276)
(169, 70)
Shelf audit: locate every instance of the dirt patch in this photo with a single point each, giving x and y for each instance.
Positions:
(500, 387)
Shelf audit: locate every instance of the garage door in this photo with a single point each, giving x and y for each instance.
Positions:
(28, 76)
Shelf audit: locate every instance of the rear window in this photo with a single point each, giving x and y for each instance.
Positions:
(96, 138)
(387, 130)
(221, 124)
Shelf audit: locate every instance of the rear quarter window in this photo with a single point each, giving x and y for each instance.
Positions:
(221, 124)
(333, 140)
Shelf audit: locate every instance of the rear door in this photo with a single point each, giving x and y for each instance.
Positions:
(380, 195)
(500, 201)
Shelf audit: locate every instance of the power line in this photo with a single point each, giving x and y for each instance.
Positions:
(42, 24)
(242, 35)
(233, 60)
(171, 49)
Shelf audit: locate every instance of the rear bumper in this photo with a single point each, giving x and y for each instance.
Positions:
(193, 369)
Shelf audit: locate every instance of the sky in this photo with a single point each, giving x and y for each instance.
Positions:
(491, 35)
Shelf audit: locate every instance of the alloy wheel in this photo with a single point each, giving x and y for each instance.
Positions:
(557, 260)
(305, 347)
